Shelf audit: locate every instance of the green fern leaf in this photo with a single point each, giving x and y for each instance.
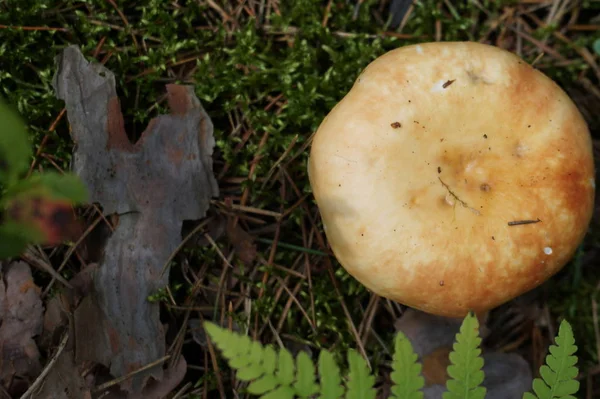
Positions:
(559, 373)
(406, 376)
(466, 365)
(331, 381)
(264, 384)
(280, 393)
(269, 360)
(305, 384)
(360, 379)
(285, 372)
(256, 363)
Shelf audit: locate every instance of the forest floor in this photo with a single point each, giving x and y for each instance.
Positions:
(267, 72)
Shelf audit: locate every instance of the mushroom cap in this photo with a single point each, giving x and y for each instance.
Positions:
(421, 170)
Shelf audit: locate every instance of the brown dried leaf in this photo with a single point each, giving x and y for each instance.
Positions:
(153, 185)
(435, 366)
(21, 315)
(157, 390)
(241, 241)
(65, 380)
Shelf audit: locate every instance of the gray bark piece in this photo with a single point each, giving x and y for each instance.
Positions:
(154, 184)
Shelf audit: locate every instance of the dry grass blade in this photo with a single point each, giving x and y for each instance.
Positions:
(119, 380)
(40, 379)
(30, 257)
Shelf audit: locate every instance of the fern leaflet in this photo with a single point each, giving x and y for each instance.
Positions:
(360, 380)
(331, 381)
(558, 374)
(271, 374)
(305, 384)
(406, 376)
(466, 365)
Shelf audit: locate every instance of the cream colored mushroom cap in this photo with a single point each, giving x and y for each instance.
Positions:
(422, 169)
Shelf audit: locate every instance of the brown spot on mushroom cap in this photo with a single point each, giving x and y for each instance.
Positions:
(536, 170)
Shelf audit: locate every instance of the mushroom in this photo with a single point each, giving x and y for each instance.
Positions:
(453, 177)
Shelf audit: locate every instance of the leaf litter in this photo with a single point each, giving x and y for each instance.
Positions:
(21, 318)
(149, 188)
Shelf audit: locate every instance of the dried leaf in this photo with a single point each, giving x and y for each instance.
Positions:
(55, 318)
(65, 380)
(157, 390)
(242, 242)
(435, 366)
(21, 315)
(54, 219)
(164, 178)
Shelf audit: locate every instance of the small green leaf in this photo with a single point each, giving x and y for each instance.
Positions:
(329, 373)
(305, 384)
(406, 376)
(264, 384)
(239, 362)
(285, 371)
(559, 373)
(14, 238)
(283, 392)
(466, 365)
(360, 380)
(541, 389)
(269, 360)
(15, 149)
(62, 186)
(249, 373)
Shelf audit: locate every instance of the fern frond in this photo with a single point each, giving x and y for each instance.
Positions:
(406, 376)
(305, 384)
(466, 365)
(329, 373)
(271, 374)
(558, 374)
(360, 380)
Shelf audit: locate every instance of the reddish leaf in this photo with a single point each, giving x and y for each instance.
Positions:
(54, 219)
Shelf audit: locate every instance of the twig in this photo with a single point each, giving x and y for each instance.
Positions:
(120, 28)
(38, 381)
(326, 13)
(295, 300)
(119, 380)
(463, 203)
(45, 139)
(539, 57)
(34, 28)
(29, 257)
(250, 209)
(213, 358)
(70, 252)
(520, 222)
(125, 22)
(183, 242)
(182, 391)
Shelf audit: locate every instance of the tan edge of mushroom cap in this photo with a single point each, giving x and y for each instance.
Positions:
(418, 171)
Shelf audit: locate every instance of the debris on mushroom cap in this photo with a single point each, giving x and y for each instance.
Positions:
(488, 185)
